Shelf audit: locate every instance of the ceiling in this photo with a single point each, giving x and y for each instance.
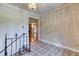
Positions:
(42, 7)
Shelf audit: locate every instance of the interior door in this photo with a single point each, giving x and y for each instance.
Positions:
(33, 29)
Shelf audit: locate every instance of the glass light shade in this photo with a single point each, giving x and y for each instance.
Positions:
(32, 6)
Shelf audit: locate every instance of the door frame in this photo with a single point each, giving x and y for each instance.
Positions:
(31, 18)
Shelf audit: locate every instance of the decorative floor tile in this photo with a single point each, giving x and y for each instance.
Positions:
(44, 49)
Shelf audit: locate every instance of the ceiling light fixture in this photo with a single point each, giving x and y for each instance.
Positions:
(32, 6)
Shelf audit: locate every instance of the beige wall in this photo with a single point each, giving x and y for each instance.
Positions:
(61, 26)
(12, 20)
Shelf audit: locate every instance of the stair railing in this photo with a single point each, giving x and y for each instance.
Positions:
(22, 36)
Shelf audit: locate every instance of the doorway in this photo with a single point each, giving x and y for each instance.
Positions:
(33, 29)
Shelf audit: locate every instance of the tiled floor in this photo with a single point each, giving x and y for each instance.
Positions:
(44, 49)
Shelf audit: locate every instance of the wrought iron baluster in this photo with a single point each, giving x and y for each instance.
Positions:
(29, 43)
(23, 40)
(20, 47)
(11, 46)
(26, 42)
(5, 45)
(16, 42)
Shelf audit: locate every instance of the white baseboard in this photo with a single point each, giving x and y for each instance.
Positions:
(62, 46)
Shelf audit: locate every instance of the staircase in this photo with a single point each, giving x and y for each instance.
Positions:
(21, 46)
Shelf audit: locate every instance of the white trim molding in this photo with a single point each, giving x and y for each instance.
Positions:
(62, 46)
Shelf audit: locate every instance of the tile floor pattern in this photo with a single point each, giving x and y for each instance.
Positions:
(44, 49)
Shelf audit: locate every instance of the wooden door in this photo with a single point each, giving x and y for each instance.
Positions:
(33, 29)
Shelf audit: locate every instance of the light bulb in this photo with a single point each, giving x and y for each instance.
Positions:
(32, 6)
